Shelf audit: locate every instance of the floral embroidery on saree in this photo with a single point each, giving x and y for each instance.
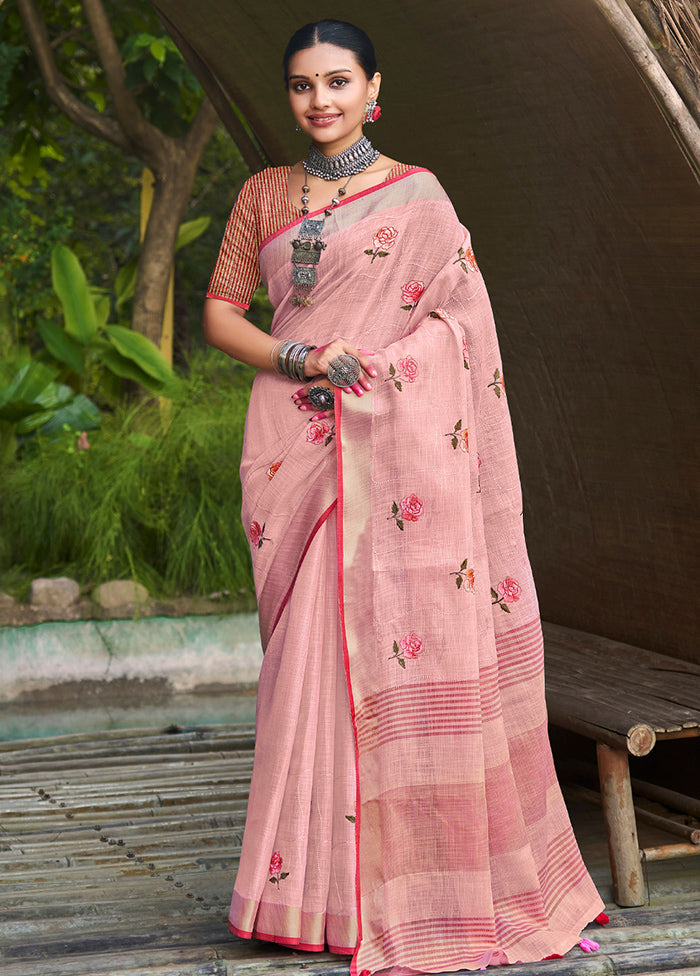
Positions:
(320, 432)
(460, 437)
(498, 383)
(257, 535)
(276, 872)
(411, 293)
(466, 259)
(465, 576)
(409, 647)
(405, 369)
(507, 591)
(384, 240)
(409, 509)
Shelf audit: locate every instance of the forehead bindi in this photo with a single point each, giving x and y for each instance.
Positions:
(322, 61)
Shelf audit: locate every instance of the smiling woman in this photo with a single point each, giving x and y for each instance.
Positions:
(404, 807)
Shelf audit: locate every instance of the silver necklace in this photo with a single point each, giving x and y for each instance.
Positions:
(348, 162)
(308, 245)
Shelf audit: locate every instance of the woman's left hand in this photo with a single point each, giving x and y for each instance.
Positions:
(301, 397)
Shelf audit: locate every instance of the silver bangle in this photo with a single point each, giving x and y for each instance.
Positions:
(291, 359)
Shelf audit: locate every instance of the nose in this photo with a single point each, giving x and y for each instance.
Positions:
(320, 97)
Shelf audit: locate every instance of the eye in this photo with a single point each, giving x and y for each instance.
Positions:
(300, 86)
(339, 82)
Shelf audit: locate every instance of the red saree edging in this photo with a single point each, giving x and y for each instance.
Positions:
(351, 199)
(346, 662)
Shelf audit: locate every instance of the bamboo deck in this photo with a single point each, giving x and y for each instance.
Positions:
(118, 851)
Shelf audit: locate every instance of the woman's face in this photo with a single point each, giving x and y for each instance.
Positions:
(328, 93)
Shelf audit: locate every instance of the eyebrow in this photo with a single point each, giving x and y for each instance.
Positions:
(337, 71)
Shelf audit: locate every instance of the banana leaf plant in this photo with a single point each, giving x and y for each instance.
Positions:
(86, 337)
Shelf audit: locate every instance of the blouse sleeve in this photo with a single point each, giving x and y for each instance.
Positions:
(236, 273)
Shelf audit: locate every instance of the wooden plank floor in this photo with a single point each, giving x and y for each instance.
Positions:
(118, 852)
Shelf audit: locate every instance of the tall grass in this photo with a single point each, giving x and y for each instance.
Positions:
(156, 497)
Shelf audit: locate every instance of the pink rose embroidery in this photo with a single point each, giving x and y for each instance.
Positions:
(407, 368)
(273, 469)
(411, 293)
(459, 437)
(498, 383)
(409, 509)
(384, 240)
(257, 534)
(409, 647)
(319, 432)
(508, 592)
(276, 873)
(465, 576)
(466, 259)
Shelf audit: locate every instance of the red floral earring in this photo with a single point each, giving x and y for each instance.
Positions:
(372, 112)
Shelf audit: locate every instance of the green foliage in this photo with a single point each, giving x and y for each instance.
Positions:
(153, 498)
(88, 341)
(155, 69)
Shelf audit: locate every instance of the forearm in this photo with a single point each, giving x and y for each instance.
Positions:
(225, 327)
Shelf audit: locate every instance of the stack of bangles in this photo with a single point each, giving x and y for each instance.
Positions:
(289, 358)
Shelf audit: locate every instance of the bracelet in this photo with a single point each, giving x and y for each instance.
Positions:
(272, 353)
(291, 359)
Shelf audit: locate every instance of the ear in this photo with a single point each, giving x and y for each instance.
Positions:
(374, 85)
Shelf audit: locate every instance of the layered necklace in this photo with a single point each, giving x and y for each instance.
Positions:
(308, 245)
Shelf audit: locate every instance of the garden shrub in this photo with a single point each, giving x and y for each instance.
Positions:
(155, 497)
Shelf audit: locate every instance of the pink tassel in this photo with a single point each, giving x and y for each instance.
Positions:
(602, 919)
(588, 945)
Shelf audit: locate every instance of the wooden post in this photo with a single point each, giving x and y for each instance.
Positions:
(623, 845)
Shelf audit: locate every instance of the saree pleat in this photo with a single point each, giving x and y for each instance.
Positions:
(404, 805)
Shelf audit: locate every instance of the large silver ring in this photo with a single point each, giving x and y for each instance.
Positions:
(321, 397)
(344, 370)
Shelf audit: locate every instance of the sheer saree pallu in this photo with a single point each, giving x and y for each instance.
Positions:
(404, 805)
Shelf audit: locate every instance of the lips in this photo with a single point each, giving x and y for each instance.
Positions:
(322, 119)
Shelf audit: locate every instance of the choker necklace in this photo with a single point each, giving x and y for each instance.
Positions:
(308, 245)
(350, 161)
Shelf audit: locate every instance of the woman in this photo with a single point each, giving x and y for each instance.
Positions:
(404, 806)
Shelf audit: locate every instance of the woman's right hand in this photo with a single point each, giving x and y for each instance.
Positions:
(318, 361)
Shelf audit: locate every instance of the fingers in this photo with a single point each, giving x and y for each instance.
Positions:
(320, 416)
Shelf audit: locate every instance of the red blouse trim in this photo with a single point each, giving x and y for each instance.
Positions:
(231, 301)
(350, 199)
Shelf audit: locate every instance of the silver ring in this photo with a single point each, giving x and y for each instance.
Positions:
(321, 397)
(344, 370)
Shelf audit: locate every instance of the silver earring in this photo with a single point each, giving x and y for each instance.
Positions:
(297, 128)
(373, 111)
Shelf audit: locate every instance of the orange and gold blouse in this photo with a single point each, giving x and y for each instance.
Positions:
(262, 208)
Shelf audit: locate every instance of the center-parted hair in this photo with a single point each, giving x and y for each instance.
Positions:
(337, 32)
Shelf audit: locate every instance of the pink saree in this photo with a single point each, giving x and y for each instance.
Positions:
(404, 806)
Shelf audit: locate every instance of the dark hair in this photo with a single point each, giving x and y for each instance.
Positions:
(337, 32)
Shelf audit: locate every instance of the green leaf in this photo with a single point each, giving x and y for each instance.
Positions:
(504, 606)
(369, 251)
(273, 880)
(459, 582)
(494, 594)
(397, 384)
(97, 99)
(132, 345)
(71, 286)
(409, 307)
(61, 345)
(382, 254)
(351, 819)
(395, 509)
(496, 374)
(23, 391)
(392, 371)
(103, 307)
(497, 391)
(458, 425)
(150, 69)
(396, 647)
(402, 663)
(125, 282)
(157, 49)
(285, 874)
(191, 230)
(80, 414)
(454, 443)
(128, 370)
(399, 522)
(464, 564)
(138, 439)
